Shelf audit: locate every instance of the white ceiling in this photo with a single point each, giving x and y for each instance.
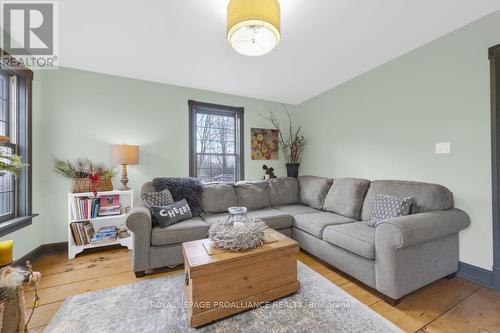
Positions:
(182, 42)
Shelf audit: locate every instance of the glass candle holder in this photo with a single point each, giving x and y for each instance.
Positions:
(238, 216)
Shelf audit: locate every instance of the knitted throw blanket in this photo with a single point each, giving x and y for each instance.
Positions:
(190, 189)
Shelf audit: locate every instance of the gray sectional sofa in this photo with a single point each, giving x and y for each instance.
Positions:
(326, 217)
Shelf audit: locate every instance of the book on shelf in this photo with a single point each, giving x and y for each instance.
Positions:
(111, 200)
(105, 234)
(83, 232)
(109, 210)
(86, 208)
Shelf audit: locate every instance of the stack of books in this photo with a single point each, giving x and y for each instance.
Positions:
(85, 208)
(109, 205)
(83, 232)
(105, 234)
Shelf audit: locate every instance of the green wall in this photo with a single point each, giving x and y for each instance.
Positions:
(85, 112)
(381, 125)
(80, 114)
(384, 124)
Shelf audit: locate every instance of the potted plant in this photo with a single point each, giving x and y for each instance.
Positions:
(292, 144)
(87, 176)
(10, 163)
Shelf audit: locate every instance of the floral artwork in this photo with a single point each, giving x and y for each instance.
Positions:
(264, 144)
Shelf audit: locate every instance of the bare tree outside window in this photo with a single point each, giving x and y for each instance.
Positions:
(215, 142)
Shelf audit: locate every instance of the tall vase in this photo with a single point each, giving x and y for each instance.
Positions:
(292, 169)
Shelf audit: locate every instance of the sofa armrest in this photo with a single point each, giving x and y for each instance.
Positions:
(139, 222)
(414, 250)
(409, 230)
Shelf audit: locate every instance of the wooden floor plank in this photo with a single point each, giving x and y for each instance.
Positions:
(334, 276)
(84, 264)
(443, 306)
(421, 307)
(59, 259)
(86, 272)
(61, 292)
(37, 329)
(311, 262)
(478, 313)
(364, 294)
(42, 314)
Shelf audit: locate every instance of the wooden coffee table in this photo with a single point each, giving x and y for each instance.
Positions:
(221, 283)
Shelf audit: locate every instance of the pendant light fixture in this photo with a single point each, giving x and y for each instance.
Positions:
(253, 26)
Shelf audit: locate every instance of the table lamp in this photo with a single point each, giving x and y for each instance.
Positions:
(124, 155)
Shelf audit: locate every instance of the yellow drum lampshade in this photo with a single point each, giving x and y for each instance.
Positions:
(253, 26)
(6, 248)
(125, 154)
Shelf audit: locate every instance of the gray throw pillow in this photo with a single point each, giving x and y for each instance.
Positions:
(386, 207)
(158, 199)
(171, 214)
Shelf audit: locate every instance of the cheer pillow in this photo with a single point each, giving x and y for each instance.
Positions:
(171, 214)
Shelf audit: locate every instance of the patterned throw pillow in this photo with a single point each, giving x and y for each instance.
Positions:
(385, 207)
(170, 214)
(158, 199)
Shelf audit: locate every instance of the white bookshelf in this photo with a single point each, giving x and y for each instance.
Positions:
(126, 200)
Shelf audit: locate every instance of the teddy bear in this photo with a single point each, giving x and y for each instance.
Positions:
(269, 172)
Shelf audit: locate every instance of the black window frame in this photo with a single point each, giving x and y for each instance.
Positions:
(22, 144)
(217, 109)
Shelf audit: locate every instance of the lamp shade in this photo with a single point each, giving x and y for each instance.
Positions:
(125, 154)
(253, 26)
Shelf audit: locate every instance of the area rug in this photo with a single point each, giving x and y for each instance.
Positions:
(156, 305)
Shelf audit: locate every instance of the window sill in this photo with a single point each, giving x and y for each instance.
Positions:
(15, 224)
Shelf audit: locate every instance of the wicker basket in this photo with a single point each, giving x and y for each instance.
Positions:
(85, 185)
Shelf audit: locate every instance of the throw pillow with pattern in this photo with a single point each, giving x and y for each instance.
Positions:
(170, 214)
(386, 207)
(158, 199)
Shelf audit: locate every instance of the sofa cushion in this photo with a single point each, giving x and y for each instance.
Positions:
(426, 197)
(284, 191)
(253, 194)
(184, 231)
(297, 209)
(313, 190)
(212, 218)
(346, 195)
(218, 197)
(356, 237)
(274, 218)
(315, 223)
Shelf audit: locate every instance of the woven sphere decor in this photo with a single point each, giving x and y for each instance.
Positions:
(237, 238)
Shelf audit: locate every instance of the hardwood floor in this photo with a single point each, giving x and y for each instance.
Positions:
(455, 305)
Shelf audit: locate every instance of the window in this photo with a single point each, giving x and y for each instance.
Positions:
(15, 136)
(216, 142)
